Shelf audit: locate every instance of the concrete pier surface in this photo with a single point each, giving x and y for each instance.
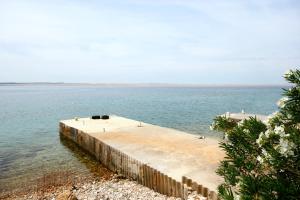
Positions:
(175, 153)
(242, 116)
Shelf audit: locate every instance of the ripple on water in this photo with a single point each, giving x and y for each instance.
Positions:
(6, 162)
(29, 138)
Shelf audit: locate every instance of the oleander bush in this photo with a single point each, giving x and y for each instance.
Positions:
(263, 158)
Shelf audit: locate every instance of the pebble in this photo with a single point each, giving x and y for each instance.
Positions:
(113, 189)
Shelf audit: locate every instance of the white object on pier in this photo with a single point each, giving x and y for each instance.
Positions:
(242, 116)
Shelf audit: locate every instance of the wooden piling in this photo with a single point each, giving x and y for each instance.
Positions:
(205, 192)
(167, 185)
(174, 192)
(148, 176)
(194, 186)
(161, 181)
(170, 192)
(126, 166)
(178, 189)
(212, 196)
(189, 182)
(142, 173)
(155, 180)
(183, 180)
(185, 191)
(199, 189)
(151, 177)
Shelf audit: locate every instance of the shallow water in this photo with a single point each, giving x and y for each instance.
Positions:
(30, 144)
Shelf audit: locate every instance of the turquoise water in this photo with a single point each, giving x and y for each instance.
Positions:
(29, 116)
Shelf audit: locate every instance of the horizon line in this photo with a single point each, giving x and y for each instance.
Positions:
(144, 84)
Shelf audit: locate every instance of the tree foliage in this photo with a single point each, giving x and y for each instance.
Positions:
(263, 158)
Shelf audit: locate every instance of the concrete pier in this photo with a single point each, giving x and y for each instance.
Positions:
(163, 159)
(242, 116)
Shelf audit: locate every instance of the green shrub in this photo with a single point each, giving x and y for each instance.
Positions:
(262, 158)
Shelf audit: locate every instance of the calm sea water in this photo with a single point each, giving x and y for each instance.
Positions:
(29, 140)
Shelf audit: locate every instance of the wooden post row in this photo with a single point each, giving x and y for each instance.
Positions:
(119, 162)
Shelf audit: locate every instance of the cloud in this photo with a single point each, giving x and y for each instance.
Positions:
(171, 36)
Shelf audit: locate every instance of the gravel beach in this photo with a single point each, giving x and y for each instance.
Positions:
(115, 188)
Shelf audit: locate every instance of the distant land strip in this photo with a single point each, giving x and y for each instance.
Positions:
(150, 85)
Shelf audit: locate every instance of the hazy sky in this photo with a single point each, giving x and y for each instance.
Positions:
(165, 41)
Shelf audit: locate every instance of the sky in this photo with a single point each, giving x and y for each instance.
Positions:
(149, 41)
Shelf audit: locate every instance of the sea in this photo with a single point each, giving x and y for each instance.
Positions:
(30, 145)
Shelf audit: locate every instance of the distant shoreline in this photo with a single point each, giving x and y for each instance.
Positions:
(143, 85)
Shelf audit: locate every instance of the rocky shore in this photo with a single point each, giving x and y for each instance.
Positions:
(115, 188)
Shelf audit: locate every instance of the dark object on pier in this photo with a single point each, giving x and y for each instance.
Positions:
(96, 117)
(105, 117)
